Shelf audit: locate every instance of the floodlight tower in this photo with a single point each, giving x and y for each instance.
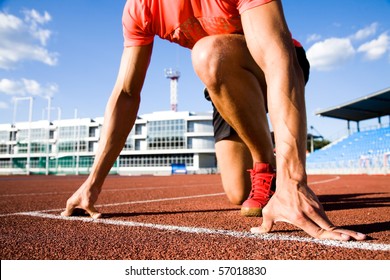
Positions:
(173, 75)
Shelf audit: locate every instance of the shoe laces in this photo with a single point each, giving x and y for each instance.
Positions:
(261, 184)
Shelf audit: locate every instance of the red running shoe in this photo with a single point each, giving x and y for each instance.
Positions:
(263, 178)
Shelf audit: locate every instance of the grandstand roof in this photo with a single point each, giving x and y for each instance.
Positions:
(367, 107)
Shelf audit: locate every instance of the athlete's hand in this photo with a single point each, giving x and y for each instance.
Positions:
(84, 199)
(300, 206)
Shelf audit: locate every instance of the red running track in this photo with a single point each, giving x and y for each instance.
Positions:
(183, 217)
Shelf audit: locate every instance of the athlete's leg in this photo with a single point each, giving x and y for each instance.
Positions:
(234, 159)
(234, 82)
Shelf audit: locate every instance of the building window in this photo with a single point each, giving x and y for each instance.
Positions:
(137, 144)
(66, 132)
(156, 160)
(138, 129)
(71, 146)
(73, 132)
(12, 136)
(3, 149)
(5, 136)
(200, 126)
(92, 131)
(35, 134)
(166, 134)
(38, 148)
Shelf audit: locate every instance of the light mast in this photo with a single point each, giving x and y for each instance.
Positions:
(173, 75)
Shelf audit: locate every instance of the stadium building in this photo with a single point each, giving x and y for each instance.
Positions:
(182, 142)
(159, 143)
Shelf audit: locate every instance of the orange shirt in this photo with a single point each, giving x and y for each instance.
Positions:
(182, 21)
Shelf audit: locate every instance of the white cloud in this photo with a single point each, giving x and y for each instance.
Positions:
(34, 17)
(376, 48)
(330, 53)
(25, 87)
(25, 39)
(35, 20)
(9, 22)
(313, 38)
(366, 32)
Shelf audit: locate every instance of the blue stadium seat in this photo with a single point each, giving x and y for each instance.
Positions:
(361, 149)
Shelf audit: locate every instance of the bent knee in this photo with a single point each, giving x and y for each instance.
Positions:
(236, 195)
(213, 55)
(206, 59)
(236, 199)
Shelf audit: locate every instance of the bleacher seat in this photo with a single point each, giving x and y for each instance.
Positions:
(360, 150)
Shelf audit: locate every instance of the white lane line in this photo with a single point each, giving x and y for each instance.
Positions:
(130, 202)
(160, 199)
(236, 234)
(33, 194)
(110, 190)
(324, 181)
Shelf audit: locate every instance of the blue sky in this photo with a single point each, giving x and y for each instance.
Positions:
(70, 50)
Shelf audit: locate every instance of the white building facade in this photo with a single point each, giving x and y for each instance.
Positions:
(157, 142)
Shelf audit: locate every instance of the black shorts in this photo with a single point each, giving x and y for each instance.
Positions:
(222, 129)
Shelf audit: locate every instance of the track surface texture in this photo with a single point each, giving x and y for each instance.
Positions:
(182, 217)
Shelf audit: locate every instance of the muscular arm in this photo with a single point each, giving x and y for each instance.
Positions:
(122, 108)
(119, 118)
(270, 44)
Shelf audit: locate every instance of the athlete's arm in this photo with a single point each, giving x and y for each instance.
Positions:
(119, 118)
(270, 44)
(122, 107)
